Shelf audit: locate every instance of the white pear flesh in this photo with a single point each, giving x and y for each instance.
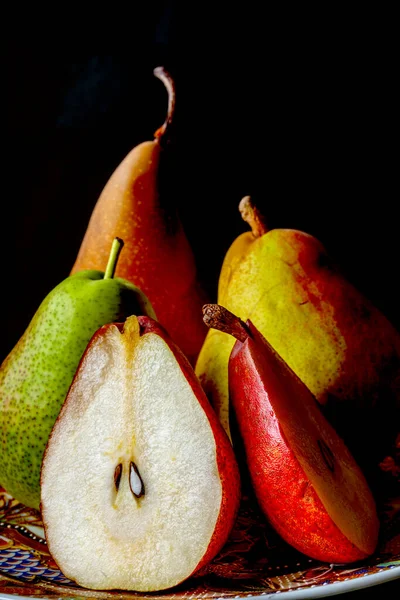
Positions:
(130, 408)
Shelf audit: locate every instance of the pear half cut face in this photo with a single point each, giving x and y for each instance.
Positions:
(131, 490)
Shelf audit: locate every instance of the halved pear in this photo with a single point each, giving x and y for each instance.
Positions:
(140, 486)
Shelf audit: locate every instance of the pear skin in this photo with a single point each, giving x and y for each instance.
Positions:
(341, 346)
(157, 257)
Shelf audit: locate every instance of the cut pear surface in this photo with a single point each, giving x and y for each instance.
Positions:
(131, 491)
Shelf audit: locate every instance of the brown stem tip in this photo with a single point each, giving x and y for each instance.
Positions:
(252, 216)
(216, 316)
(165, 77)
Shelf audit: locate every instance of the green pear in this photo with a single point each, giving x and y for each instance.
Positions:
(36, 375)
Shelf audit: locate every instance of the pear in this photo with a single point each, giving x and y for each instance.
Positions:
(157, 257)
(138, 466)
(36, 375)
(304, 477)
(341, 346)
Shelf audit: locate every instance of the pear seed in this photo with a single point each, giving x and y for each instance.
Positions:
(135, 481)
(117, 476)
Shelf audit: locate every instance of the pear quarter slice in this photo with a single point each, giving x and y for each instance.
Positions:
(140, 487)
(305, 479)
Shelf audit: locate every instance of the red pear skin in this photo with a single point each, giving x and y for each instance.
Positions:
(304, 477)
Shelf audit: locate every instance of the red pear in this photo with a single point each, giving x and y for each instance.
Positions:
(305, 479)
(138, 466)
(158, 257)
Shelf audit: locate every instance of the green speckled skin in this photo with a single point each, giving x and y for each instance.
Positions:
(36, 375)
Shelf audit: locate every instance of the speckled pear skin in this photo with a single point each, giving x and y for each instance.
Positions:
(36, 375)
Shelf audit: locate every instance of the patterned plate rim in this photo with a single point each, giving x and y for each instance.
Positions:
(313, 591)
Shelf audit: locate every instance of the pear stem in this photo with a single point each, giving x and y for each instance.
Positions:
(162, 74)
(219, 317)
(252, 216)
(116, 248)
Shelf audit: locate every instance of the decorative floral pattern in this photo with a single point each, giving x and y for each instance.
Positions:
(254, 561)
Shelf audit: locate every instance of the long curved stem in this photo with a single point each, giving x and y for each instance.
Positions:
(162, 74)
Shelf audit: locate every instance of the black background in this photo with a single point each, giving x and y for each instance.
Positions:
(294, 107)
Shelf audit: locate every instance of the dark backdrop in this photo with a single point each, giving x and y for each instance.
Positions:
(296, 109)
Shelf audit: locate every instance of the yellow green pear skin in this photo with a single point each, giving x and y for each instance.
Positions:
(212, 363)
(261, 285)
(341, 346)
(36, 375)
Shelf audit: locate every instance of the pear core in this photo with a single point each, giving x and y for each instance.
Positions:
(130, 403)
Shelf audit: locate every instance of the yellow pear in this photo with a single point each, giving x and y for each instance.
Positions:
(341, 346)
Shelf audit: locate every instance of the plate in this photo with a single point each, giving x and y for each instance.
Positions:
(254, 563)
